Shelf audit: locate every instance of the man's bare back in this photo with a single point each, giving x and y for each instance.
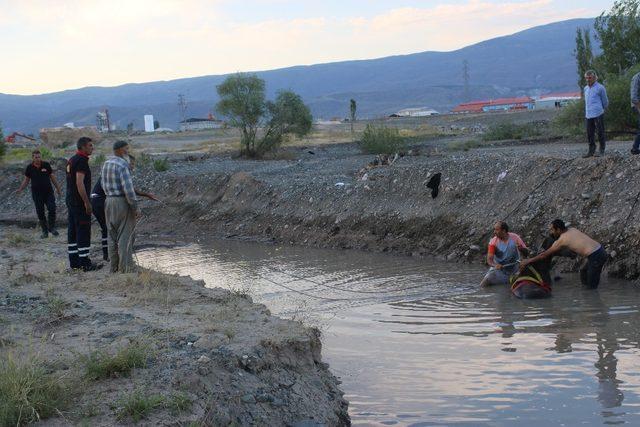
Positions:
(577, 242)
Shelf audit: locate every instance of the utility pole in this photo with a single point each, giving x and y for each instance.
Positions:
(182, 106)
(466, 78)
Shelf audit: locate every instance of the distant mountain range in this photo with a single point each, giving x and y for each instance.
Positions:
(534, 61)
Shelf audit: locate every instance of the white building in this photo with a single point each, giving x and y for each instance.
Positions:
(417, 112)
(556, 100)
(199, 124)
(148, 123)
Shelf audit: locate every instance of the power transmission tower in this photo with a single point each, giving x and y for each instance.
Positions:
(466, 78)
(182, 106)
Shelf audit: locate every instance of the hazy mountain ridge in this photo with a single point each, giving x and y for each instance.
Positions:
(536, 60)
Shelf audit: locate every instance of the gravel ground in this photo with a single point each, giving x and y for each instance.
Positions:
(230, 358)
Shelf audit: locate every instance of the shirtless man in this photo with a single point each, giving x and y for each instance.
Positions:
(578, 242)
(503, 255)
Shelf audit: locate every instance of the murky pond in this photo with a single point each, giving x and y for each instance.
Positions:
(417, 343)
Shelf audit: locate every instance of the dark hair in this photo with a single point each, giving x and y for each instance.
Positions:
(83, 141)
(503, 226)
(119, 144)
(558, 224)
(34, 152)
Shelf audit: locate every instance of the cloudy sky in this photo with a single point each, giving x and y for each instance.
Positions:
(52, 45)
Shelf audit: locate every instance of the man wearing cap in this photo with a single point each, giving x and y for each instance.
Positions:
(121, 208)
(41, 176)
(79, 207)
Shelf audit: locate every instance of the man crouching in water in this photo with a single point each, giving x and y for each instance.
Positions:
(503, 255)
(578, 242)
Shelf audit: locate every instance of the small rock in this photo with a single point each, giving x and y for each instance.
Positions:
(585, 196)
(248, 398)
(265, 397)
(204, 359)
(474, 248)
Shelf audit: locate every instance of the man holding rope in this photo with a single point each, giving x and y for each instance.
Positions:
(503, 255)
(579, 243)
(121, 208)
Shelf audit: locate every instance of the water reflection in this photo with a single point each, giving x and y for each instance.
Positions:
(417, 343)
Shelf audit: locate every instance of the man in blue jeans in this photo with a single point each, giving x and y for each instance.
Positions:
(635, 104)
(595, 102)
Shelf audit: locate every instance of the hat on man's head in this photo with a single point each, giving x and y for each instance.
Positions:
(119, 144)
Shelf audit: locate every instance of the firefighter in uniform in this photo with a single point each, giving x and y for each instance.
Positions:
(41, 176)
(79, 207)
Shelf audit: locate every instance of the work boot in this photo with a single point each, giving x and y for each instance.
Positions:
(54, 232)
(635, 151)
(92, 267)
(589, 154)
(45, 230)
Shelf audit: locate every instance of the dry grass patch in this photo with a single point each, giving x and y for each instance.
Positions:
(28, 393)
(149, 287)
(100, 365)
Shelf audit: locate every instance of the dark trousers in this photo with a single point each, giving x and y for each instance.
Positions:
(636, 143)
(596, 125)
(590, 272)
(79, 237)
(98, 211)
(42, 199)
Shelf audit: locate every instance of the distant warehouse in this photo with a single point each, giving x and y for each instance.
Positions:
(416, 112)
(501, 104)
(199, 124)
(553, 100)
(556, 100)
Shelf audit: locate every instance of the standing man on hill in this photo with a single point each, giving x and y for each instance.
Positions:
(595, 102)
(121, 208)
(635, 104)
(79, 207)
(41, 176)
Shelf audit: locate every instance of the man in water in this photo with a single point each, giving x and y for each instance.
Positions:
(503, 255)
(579, 243)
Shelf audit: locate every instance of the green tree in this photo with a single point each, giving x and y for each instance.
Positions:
(619, 33)
(352, 111)
(242, 101)
(583, 54)
(620, 116)
(287, 115)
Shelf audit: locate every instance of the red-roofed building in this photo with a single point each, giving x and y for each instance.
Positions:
(501, 104)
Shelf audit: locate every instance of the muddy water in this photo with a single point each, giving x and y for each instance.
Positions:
(417, 343)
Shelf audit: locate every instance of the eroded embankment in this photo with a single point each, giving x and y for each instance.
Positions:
(157, 347)
(393, 210)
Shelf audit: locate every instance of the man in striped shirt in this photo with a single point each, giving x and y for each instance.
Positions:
(121, 208)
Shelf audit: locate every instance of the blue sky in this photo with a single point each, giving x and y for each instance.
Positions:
(61, 44)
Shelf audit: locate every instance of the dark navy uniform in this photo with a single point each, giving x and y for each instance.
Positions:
(42, 194)
(79, 231)
(97, 204)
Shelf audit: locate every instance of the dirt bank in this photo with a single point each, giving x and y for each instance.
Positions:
(325, 198)
(203, 356)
